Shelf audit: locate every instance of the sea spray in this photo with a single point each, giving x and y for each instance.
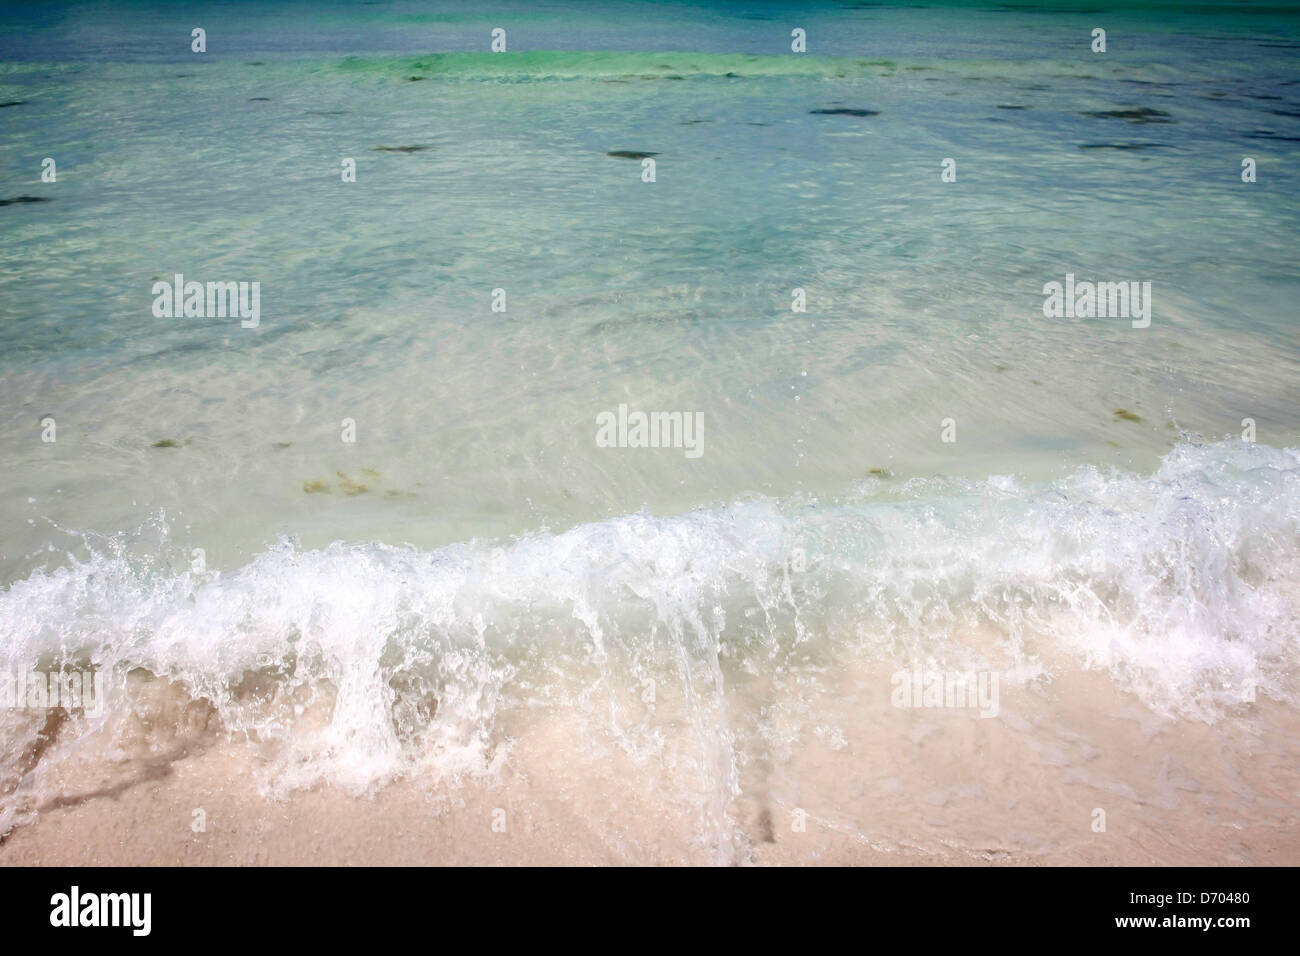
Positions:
(357, 664)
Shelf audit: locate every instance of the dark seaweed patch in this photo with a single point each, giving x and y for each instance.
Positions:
(1269, 134)
(1138, 115)
(1129, 146)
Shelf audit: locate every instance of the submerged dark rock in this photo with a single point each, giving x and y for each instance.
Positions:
(843, 111)
(21, 199)
(629, 154)
(1138, 115)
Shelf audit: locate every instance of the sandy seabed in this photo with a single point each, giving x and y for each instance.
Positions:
(919, 788)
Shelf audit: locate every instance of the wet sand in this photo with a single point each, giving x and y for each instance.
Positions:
(903, 787)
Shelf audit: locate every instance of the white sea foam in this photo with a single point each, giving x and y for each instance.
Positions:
(357, 663)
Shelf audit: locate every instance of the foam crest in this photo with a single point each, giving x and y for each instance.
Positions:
(357, 663)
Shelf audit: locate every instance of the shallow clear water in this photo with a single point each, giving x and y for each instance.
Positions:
(1097, 508)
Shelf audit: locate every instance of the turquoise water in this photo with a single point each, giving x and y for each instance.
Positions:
(924, 297)
(476, 475)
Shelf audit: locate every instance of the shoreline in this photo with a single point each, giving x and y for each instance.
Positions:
(916, 789)
(403, 827)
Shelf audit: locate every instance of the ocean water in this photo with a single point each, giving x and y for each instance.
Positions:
(919, 470)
